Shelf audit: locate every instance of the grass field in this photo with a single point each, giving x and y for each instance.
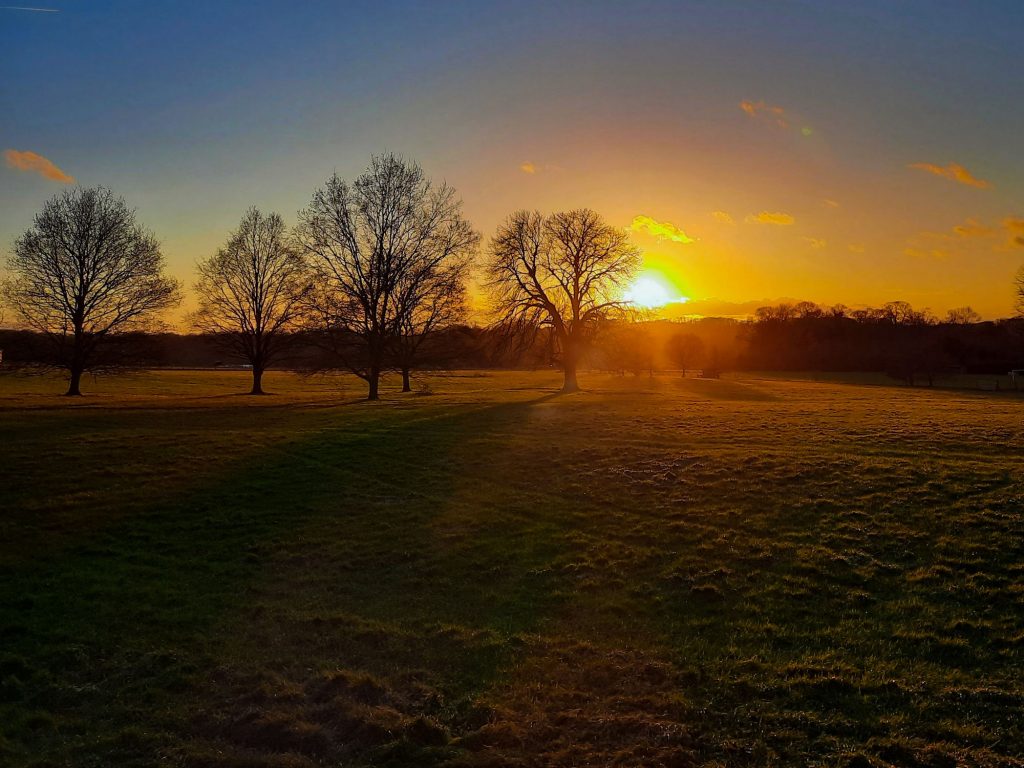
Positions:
(653, 572)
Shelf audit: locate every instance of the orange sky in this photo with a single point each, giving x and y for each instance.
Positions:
(822, 151)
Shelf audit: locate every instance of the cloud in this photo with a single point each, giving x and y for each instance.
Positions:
(768, 217)
(1015, 226)
(972, 228)
(829, 203)
(815, 242)
(855, 247)
(954, 172)
(528, 167)
(33, 163)
(23, 8)
(939, 254)
(961, 241)
(714, 307)
(765, 112)
(722, 217)
(663, 230)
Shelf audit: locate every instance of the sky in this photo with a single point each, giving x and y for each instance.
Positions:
(834, 152)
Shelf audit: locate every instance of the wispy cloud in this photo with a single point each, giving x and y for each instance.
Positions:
(33, 163)
(663, 230)
(972, 228)
(1015, 226)
(528, 167)
(954, 172)
(961, 241)
(722, 217)
(769, 217)
(829, 203)
(32, 10)
(855, 248)
(759, 110)
(815, 242)
(938, 254)
(715, 307)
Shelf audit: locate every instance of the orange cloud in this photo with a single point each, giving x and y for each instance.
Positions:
(722, 217)
(855, 248)
(33, 163)
(768, 217)
(663, 230)
(972, 228)
(528, 167)
(829, 203)
(938, 254)
(954, 172)
(1015, 226)
(815, 242)
(761, 111)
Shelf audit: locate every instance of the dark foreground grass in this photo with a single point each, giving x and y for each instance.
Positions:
(649, 573)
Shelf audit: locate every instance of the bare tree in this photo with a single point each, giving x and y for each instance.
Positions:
(86, 272)
(962, 316)
(431, 293)
(685, 350)
(376, 245)
(566, 271)
(251, 292)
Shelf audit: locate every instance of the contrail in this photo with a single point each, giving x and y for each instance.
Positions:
(36, 10)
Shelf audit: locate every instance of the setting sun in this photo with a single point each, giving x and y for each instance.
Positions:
(650, 291)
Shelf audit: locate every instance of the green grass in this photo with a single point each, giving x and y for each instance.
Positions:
(653, 572)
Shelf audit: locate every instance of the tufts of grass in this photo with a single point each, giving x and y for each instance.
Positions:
(735, 573)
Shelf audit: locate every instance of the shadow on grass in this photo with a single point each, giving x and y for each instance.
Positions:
(319, 554)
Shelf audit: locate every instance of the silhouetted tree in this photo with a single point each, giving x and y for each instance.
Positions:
(685, 350)
(962, 316)
(251, 292)
(85, 273)
(367, 241)
(431, 290)
(565, 271)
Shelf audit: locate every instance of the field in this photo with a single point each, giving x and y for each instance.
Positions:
(653, 572)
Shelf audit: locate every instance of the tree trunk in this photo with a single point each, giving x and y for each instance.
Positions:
(257, 381)
(406, 385)
(74, 385)
(78, 357)
(374, 381)
(569, 368)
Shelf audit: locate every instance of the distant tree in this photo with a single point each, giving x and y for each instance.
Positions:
(1019, 290)
(626, 346)
(431, 290)
(685, 350)
(565, 271)
(378, 247)
(902, 313)
(713, 367)
(85, 273)
(808, 309)
(838, 311)
(251, 292)
(962, 316)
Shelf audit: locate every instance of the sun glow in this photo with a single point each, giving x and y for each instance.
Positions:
(650, 291)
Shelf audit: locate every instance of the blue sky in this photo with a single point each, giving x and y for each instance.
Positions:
(195, 110)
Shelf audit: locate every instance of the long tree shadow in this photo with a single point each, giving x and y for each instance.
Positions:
(318, 554)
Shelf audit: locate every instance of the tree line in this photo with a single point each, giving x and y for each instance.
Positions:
(372, 273)
(373, 278)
